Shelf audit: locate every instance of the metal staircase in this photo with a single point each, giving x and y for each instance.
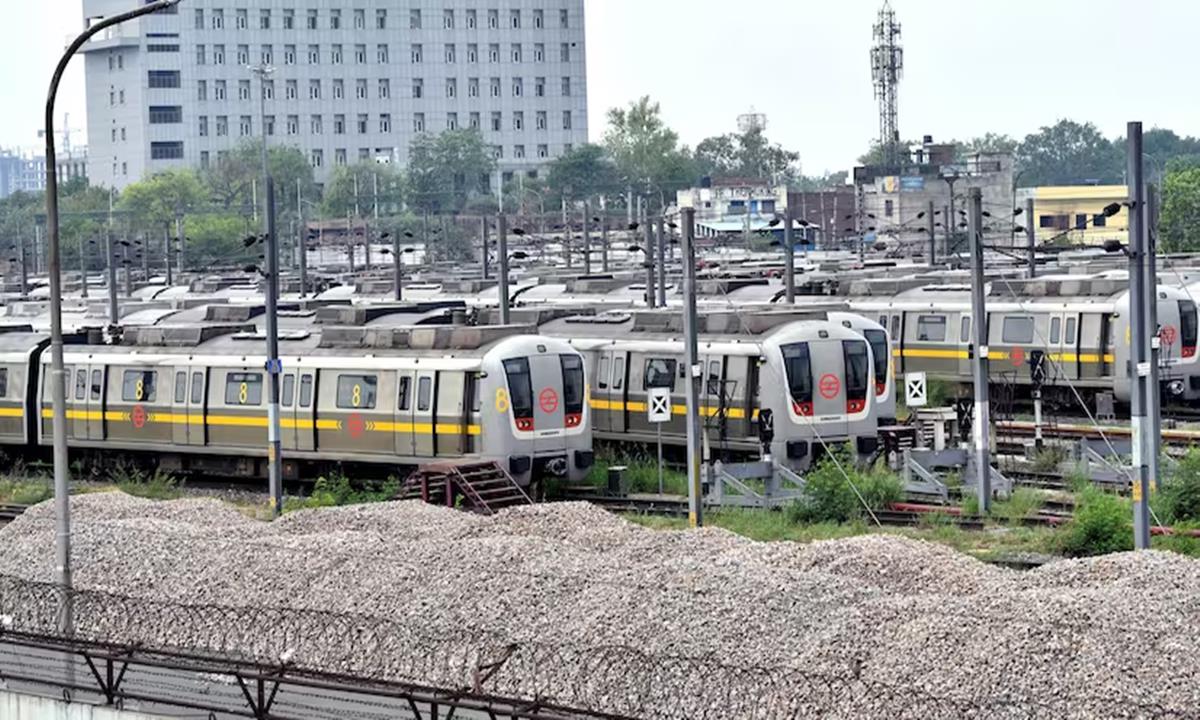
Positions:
(484, 488)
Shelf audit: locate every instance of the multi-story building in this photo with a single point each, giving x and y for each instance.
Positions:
(1075, 213)
(351, 80)
(26, 171)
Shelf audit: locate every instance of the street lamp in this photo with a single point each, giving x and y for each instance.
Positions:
(58, 383)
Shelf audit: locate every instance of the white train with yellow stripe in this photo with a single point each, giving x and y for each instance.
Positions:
(1080, 325)
(193, 398)
(790, 380)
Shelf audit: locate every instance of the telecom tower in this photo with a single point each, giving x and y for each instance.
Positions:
(752, 121)
(887, 64)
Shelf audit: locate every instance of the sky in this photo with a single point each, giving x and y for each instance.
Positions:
(970, 67)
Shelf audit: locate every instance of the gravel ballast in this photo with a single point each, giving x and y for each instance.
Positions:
(592, 611)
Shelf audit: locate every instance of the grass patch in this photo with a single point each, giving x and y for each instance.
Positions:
(337, 490)
(1024, 502)
(1048, 459)
(836, 490)
(1102, 524)
(641, 474)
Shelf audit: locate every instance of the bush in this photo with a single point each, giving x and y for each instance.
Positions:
(1024, 502)
(1180, 493)
(829, 497)
(338, 490)
(1102, 524)
(1048, 459)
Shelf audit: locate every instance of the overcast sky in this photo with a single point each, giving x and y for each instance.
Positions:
(970, 67)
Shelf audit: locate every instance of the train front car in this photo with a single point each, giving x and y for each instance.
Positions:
(533, 409)
(1178, 362)
(882, 364)
(817, 381)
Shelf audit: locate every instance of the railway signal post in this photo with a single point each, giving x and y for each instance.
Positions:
(691, 343)
(1153, 338)
(648, 250)
(1139, 339)
(502, 259)
(789, 259)
(660, 259)
(980, 362)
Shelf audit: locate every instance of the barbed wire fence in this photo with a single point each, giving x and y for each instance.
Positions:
(604, 681)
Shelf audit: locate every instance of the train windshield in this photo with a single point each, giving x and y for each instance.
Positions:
(1187, 323)
(855, 353)
(572, 370)
(520, 386)
(879, 347)
(798, 364)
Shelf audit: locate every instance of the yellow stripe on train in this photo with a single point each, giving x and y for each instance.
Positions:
(946, 354)
(261, 422)
(676, 410)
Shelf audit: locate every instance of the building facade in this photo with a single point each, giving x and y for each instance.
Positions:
(26, 171)
(350, 81)
(1074, 214)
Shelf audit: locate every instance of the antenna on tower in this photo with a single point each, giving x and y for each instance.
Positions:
(887, 64)
(752, 121)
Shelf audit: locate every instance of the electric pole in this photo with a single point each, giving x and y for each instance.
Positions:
(502, 259)
(1139, 341)
(1030, 238)
(661, 259)
(694, 370)
(932, 229)
(983, 464)
(789, 259)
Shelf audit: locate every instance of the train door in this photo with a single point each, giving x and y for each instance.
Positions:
(423, 414)
(618, 392)
(96, 404)
(966, 341)
(896, 330)
(306, 413)
(77, 401)
(546, 378)
(180, 408)
(288, 417)
(406, 408)
(449, 430)
(197, 408)
(602, 401)
(714, 397)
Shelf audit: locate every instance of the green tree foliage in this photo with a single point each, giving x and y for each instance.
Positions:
(355, 186)
(160, 197)
(829, 490)
(1101, 524)
(1179, 220)
(646, 151)
(585, 171)
(445, 171)
(216, 239)
(1181, 491)
(1069, 153)
(231, 181)
(748, 155)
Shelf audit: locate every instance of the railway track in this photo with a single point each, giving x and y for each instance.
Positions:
(10, 512)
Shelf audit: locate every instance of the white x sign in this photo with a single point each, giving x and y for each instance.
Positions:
(659, 407)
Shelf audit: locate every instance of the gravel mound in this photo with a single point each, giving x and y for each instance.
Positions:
(581, 607)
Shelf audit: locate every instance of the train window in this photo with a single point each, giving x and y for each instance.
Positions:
(476, 397)
(602, 373)
(660, 373)
(289, 391)
(895, 326)
(3, 382)
(931, 328)
(405, 394)
(520, 387)
(854, 352)
(197, 388)
(798, 365)
(964, 329)
(618, 382)
(181, 387)
(1017, 330)
(243, 389)
(425, 394)
(883, 320)
(97, 384)
(880, 350)
(1188, 324)
(80, 384)
(1055, 330)
(572, 370)
(139, 385)
(1070, 340)
(356, 392)
(306, 391)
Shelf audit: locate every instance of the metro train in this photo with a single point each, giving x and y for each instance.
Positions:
(1080, 326)
(192, 398)
(796, 383)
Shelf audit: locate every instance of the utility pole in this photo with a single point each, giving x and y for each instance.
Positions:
(648, 250)
(947, 228)
(1030, 238)
(660, 235)
(398, 270)
(502, 258)
(302, 239)
(587, 237)
(126, 263)
(483, 256)
(180, 239)
(1139, 340)
(932, 227)
(273, 364)
(789, 259)
(114, 312)
(166, 256)
(83, 276)
(1154, 345)
(604, 243)
(375, 194)
(983, 463)
(24, 262)
(37, 248)
(690, 331)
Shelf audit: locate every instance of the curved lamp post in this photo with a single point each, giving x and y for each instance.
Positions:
(62, 508)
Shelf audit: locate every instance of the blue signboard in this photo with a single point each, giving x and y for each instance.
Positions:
(912, 183)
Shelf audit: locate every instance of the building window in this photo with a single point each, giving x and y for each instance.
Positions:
(542, 124)
(451, 88)
(335, 19)
(267, 55)
(385, 123)
(539, 19)
(318, 158)
(493, 19)
(264, 20)
(564, 53)
(268, 90)
(289, 19)
(199, 19)
(290, 91)
(218, 54)
(314, 54)
(203, 162)
(362, 124)
(312, 20)
(222, 126)
(218, 19)
(518, 87)
(316, 125)
(418, 88)
(498, 152)
(539, 87)
(163, 79)
(364, 154)
(518, 152)
(335, 55)
(419, 122)
(495, 87)
(243, 89)
(474, 121)
(566, 119)
(219, 90)
(564, 18)
(339, 124)
(339, 90)
(314, 89)
(518, 121)
(539, 53)
(451, 121)
(293, 124)
(1100, 220)
(360, 54)
(473, 87)
(381, 19)
(203, 126)
(493, 53)
(381, 54)
(201, 89)
(450, 55)
(515, 53)
(269, 124)
(289, 54)
(497, 121)
(245, 126)
(201, 58)
(414, 19)
(472, 19)
(242, 20)
(448, 19)
(360, 19)
(514, 19)
(360, 89)
(472, 53)
(157, 49)
(543, 151)
(1081, 221)
(566, 87)
(417, 54)
(339, 156)
(166, 151)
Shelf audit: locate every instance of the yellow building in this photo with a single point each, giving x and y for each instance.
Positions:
(1075, 213)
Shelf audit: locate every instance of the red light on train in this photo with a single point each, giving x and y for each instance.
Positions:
(803, 409)
(1189, 351)
(525, 424)
(574, 420)
(855, 406)
(880, 389)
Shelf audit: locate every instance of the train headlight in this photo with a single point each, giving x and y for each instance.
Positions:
(1175, 387)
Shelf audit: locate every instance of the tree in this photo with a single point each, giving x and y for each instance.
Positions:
(354, 187)
(989, 143)
(1179, 220)
(447, 170)
(583, 172)
(646, 151)
(159, 198)
(874, 154)
(748, 155)
(1069, 153)
(232, 180)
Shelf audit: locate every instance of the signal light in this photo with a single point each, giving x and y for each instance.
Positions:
(855, 406)
(803, 409)
(525, 424)
(880, 389)
(1189, 351)
(574, 420)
